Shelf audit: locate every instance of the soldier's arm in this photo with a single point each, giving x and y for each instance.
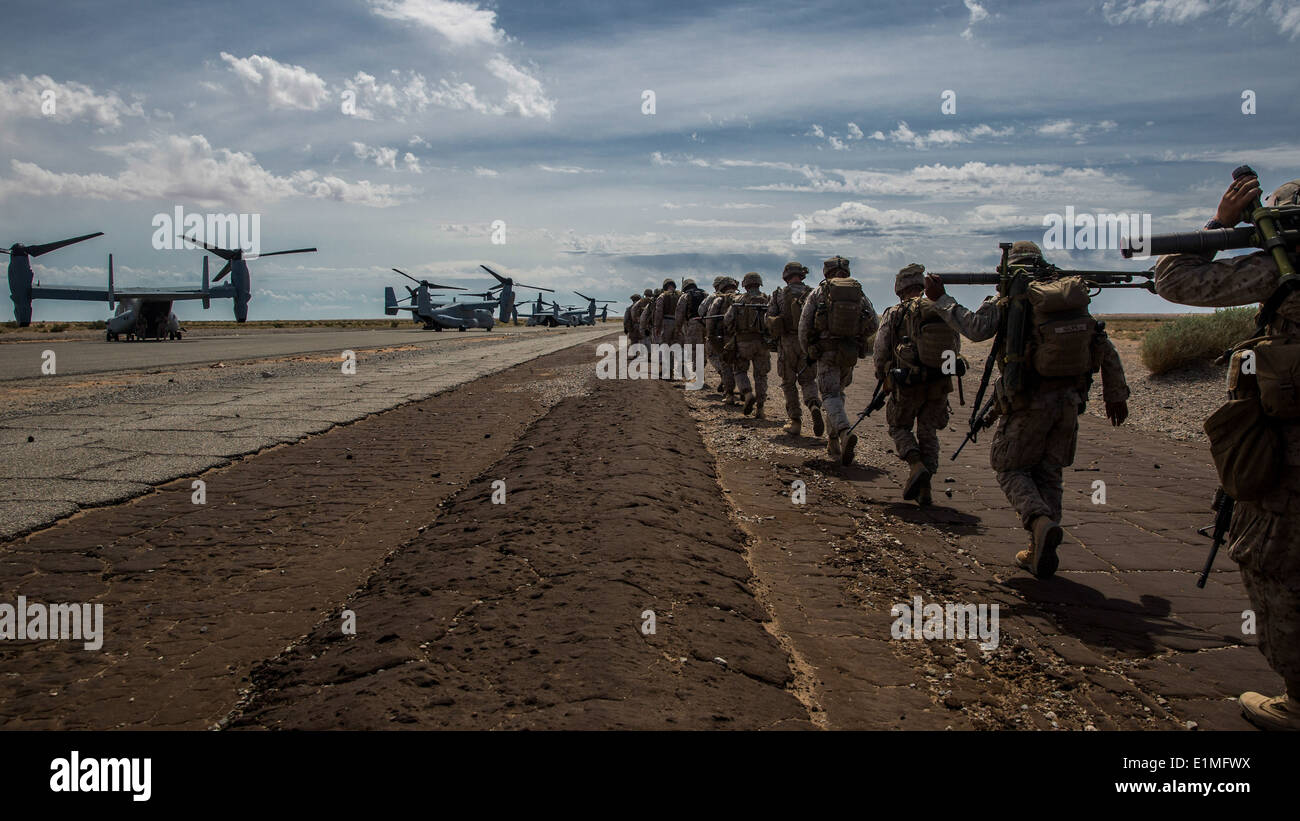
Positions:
(883, 345)
(1114, 387)
(806, 321)
(679, 314)
(1193, 279)
(975, 325)
(871, 322)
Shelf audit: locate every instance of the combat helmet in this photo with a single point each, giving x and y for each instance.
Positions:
(911, 276)
(794, 269)
(1024, 251)
(751, 280)
(834, 264)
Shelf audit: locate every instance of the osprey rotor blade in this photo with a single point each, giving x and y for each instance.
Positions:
(37, 250)
(222, 273)
(221, 252)
(294, 251)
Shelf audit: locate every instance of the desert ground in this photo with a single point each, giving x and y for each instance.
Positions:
(519, 544)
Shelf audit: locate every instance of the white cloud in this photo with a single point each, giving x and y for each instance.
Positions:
(861, 218)
(977, 13)
(524, 93)
(190, 169)
(855, 133)
(381, 156)
(1284, 15)
(1079, 132)
(23, 97)
(568, 169)
(412, 163)
(283, 85)
(462, 24)
(485, 172)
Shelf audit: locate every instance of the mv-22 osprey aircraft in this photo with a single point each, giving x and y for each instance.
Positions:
(141, 313)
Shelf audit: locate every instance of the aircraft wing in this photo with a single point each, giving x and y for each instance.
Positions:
(103, 295)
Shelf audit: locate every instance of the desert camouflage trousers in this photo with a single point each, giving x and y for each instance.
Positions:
(789, 360)
(1267, 548)
(834, 375)
(753, 352)
(924, 407)
(718, 359)
(692, 335)
(1030, 450)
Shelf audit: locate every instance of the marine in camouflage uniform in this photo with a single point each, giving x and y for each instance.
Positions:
(710, 313)
(689, 324)
(663, 323)
(639, 313)
(1038, 429)
(1265, 534)
(664, 329)
(750, 346)
(632, 328)
(924, 406)
(793, 366)
(835, 359)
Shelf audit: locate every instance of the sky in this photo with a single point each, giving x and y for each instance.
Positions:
(438, 135)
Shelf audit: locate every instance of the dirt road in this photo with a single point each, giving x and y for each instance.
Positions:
(646, 568)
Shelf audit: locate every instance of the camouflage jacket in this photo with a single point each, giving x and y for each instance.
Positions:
(733, 311)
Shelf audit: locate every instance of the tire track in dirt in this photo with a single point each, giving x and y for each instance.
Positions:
(530, 614)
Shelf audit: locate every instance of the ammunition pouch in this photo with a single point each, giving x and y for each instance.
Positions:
(1246, 447)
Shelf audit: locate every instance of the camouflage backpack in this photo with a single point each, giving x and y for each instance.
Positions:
(749, 321)
(1061, 332)
(840, 315)
(791, 307)
(922, 339)
(718, 310)
(694, 298)
(670, 304)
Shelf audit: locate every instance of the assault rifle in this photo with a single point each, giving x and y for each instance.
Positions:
(1217, 532)
(877, 402)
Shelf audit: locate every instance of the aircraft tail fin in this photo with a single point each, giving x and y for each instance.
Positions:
(390, 301)
(112, 299)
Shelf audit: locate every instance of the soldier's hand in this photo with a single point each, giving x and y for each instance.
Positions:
(933, 287)
(1242, 193)
(1117, 412)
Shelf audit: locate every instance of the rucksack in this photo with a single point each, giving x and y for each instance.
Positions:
(791, 306)
(718, 310)
(842, 308)
(1061, 331)
(670, 304)
(694, 298)
(929, 340)
(750, 320)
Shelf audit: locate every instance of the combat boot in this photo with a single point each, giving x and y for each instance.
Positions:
(924, 498)
(793, 427)
(833, 447)
(1277, 713)
(1041, 559)
(750, 401)
(729, 398)
(918, 478)
(758, 411)
(819, 427)
(848, 441)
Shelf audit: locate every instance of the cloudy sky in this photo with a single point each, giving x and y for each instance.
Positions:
(396, 132)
